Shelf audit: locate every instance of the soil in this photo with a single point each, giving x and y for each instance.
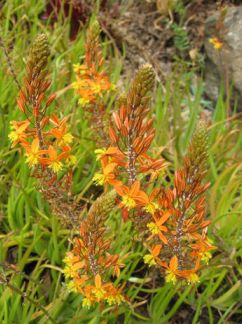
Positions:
(149, 36)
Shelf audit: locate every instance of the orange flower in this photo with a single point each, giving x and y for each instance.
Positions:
(131, 197)
(151, 259)
(148, 203)
(217, 44)
(201, 250)
(107, 176)
(32, 152)
(17, 133)
(172, 270)
(190, 275)
(112, 152)
(60, 131)
(54, 160)
(99, 290)
(157, 226)
(90, 83)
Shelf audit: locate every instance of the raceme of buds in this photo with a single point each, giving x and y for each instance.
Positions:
(44, 137)
(92, 84)
(90, 263)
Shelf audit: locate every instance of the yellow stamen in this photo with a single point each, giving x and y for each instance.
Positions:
(87, 303)
(170, 277)
(56, 166)
(67, 138)
(99, 179)
(99, 153)
(32, 158)
(99, 292)
(205, 257)
(128, 202)
(149, 259)
(153, 228)
(83, 101)
(115, 300)
(151, 207)
(193, 278)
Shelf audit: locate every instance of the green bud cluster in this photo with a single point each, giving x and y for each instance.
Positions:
(142, 85)
(38, 56)
(198, 150)
(103, 205)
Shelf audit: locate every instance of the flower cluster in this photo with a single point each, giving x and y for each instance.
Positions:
(90, 261)
(178, 230)
(92, 83)
(125, 163)
(170, 221)
(44, 137)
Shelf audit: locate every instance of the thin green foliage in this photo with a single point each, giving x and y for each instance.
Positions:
(33, 240)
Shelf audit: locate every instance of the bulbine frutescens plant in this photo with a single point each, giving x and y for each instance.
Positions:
(170, 222)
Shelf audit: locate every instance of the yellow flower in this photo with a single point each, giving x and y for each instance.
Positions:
(68, 259)
(99, 153)
(83, 101)
(192, 278)
(96, 88)
(217, 44)
(99, 292)
(69, 272)
(151, 207)
(113, 87)
(128, 202)
(153, 228)
(32, 158)
(72, 287)
(149, 259)
(87, 303)
(170, 277)
(205, 257)
(71, 160)
(56, 166)
(79, 68)
(99, 179)
(67, 139)
(115, 300)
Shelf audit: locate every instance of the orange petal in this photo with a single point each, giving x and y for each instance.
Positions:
(156, 250)
(135, 188)
(163, 238)
(35, 145)
(173, 263)
(109, 168)
(164, 218)
(52, 153)
(98, 281)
